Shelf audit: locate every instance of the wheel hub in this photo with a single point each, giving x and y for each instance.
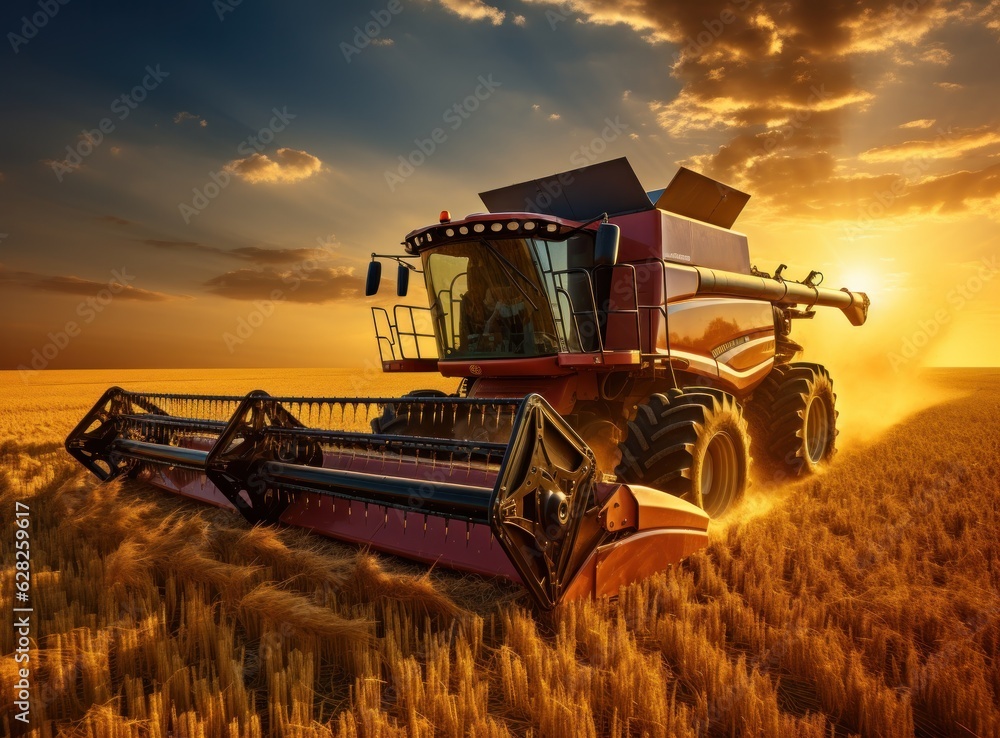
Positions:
(817, 430)
(719, 474)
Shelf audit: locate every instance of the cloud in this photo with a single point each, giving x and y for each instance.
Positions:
(185, 116)
(180, 245)
(383, 42)
(937, 56)
(115, 220)
(63, 166)
(288, 165)
(77, 286)
(474, 10)
(70, 285)
(777, 81)
(312, 286)
(253, 254)
(819, 192)
(948, 144)
(690, 112)
(759, 63)
(990, 16)
(277, 256)
(739, 157)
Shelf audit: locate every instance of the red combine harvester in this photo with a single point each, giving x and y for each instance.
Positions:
(606, 340)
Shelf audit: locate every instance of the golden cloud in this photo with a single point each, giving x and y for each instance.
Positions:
(474, 10)
(288, 165)
(796, 187)
(948, 144)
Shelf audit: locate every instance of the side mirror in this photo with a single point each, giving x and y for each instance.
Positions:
(374, 278)
(606, 245)
(402, 280)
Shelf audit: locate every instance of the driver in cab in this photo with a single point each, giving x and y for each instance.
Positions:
(494, 316)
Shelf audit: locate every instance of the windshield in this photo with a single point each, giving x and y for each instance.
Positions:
(495, 299)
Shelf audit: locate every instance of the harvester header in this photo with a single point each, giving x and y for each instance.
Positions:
(533, 509)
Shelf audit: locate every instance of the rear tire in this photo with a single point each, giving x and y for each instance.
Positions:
(797, 411)
(692, 444)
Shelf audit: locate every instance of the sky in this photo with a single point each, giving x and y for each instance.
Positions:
(201, 184)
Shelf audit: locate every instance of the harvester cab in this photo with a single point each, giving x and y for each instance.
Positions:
(598, 295)
(604, 341)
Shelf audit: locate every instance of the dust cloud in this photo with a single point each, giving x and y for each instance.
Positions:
(877, 369)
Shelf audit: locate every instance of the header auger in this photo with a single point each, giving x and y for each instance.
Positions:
(607, 341)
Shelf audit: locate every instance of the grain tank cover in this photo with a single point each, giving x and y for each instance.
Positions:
(696, 196)
(612, 187)
(580, 194)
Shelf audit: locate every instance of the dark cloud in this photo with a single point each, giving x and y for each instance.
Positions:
(778, 78)
(115, 220)
(252, 254)
(315, 286)
(70, 285)
(185, 115)
(180, 245)
(277, 256)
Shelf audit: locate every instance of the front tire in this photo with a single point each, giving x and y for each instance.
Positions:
(692, 444)
(798, 412)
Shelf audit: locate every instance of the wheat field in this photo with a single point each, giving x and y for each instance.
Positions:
(862, 601)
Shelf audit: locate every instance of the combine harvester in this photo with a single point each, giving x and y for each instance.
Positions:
(606, 341)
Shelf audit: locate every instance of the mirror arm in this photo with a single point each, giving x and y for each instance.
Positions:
(603, 217)
(399, 260)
